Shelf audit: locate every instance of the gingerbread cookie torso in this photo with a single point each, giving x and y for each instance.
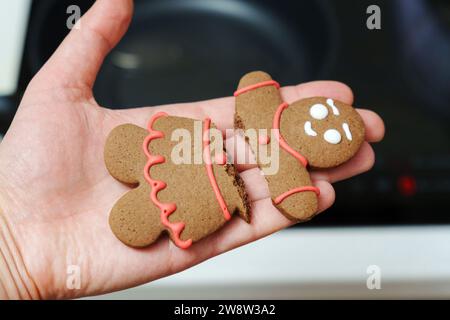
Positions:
(189, 201)
(316, 132)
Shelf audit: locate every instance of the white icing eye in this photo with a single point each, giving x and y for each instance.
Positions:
(330, 102)
(332, 136)
(309, 130)
(318, 111)
(347, 131)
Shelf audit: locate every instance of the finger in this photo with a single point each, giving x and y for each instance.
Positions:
(78, 59)
(362, 162)
(327, 195)
(330, 89)
(265, 220)
(375, 128)
(240, 153)
(140, 116)
(255, 184)
(258, 189)
(221, 111)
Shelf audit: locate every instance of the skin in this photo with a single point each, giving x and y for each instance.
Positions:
(55, 192)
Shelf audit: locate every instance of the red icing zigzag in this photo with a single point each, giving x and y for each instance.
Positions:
(166, 208)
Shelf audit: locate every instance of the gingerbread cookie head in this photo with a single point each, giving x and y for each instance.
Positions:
(325, 131)
(188, 199)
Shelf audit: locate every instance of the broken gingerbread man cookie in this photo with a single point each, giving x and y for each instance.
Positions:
(317, 132)
(188, 201)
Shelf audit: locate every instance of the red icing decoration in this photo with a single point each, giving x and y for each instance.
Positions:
(166, 209)
(279, 137)
(256, 86)
(295, 154)
(263, 139)
(209, 169)
(283, 196)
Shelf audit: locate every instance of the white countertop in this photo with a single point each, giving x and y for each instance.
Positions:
(318, 263)
(13, 27)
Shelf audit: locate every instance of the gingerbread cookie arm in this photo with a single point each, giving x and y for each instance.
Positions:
(258, 102)
(123, 154)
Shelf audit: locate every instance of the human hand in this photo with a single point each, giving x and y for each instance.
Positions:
(56, 194)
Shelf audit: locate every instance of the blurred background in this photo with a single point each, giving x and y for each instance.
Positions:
(190, 50)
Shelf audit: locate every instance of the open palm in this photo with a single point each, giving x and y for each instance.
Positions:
(56, 193)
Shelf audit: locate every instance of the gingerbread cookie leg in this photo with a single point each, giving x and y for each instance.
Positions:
(257, 103)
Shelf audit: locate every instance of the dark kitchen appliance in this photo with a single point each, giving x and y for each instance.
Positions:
(187, 50)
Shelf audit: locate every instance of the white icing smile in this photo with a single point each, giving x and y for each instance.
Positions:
(332, 136)
(308, 129)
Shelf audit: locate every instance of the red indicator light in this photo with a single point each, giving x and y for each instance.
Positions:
(407, 186)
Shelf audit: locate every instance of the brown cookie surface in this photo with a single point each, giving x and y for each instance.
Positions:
(317, 131)
(177, 198)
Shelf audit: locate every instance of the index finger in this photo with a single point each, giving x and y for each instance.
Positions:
(221, 110)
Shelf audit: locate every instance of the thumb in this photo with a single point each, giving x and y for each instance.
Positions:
(78, 59)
